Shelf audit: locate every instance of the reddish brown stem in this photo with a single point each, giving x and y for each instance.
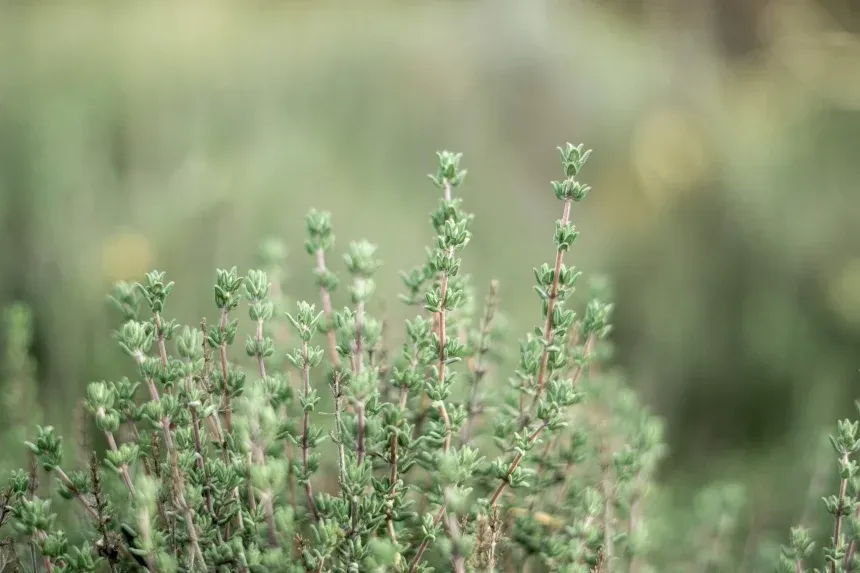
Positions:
(553, 296)
(334, 356)
(198, 447)
(261, 364)
(423, 547)
(123, 470)
(852, 546)
(225, 374)
(162, 349)
(173, 461)
(71, 487)
(514, 464)
(267, 495)
(576, 377)
(327, 310)
(837, 527)
(306, 379)
(442, 410)
(213, 419)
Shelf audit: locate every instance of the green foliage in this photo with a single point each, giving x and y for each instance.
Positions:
(839, 553)
(221, 462)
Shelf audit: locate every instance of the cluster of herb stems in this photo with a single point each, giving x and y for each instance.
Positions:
(232, 506)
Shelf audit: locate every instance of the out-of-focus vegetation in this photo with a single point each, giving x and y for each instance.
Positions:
(176, 135)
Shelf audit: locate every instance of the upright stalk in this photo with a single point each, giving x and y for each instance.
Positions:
(320, 240)
(837, 525)
(306, 381)
(548, 332)
(443, 289)
(225, 372)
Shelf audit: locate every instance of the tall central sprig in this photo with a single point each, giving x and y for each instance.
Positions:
(451, 224)
(260, 346)
(452, 235)
(360, 334)
(545, 356)
(162, 409)
(227, 297)
(320, 240)
(304, 359)
(553, 285)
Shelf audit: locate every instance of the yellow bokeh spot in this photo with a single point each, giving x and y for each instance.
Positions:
(126, 256)
(668, 154)
(622, 203)
(843, 292)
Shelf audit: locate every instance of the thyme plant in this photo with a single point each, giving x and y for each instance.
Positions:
(319, 446)
(839, 552)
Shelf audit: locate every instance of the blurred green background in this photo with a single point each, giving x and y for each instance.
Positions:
(177, 135)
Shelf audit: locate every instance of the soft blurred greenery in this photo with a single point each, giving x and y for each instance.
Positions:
(177, 135)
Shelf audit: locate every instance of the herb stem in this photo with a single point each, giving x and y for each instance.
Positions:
(306, 380)
(553, 297)
(514, 464)
(225, 373)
